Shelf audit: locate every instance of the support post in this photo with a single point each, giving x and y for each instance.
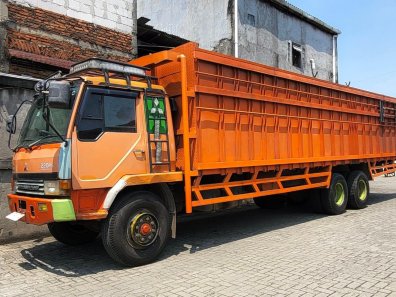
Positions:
(186, 134)
(134, 30)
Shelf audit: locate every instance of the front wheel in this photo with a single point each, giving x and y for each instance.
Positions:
(72, 233)
(137, 229)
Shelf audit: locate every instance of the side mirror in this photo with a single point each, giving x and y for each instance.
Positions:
(59, 93)
(11, 124)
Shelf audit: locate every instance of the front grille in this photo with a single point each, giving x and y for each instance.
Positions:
(36, 176)
(32, 187)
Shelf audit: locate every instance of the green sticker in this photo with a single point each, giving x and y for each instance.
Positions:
(155, 111)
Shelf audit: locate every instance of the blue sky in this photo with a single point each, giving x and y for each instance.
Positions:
(367, 44)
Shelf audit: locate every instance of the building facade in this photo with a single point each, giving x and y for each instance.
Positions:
(40, 37)
(272, 32)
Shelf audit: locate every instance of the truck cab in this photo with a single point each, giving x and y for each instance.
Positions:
(88, 136)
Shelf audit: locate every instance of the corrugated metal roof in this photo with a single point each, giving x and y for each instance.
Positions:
(286, 6)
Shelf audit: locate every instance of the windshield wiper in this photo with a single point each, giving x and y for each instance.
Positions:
(47, 120)
(40, 139)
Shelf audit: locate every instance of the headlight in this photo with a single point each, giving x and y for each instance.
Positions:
(57, 187)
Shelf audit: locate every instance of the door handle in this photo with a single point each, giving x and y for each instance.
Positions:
(138, 151)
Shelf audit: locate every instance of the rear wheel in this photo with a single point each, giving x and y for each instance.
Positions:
(137, 229)
(359, 190)
(72, 233)
(335, 198)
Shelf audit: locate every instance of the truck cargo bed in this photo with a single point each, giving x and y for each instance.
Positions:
(246, 117)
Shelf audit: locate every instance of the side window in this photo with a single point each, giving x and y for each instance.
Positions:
(119, 113)
(90, 125)
(296, 55)
(106, 110)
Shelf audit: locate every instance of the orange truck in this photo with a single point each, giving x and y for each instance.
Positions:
(121, 149)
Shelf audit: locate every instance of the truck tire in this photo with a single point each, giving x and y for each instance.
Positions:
(270, 201)
(71, 233)
(334, 199)
(359, 190)
(136, 229)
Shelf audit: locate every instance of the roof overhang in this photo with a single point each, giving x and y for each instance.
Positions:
(64, 64)
(286, 6)
(19, 81)
(151, 40)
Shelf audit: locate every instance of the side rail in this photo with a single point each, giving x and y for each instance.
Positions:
(387, 167)
(233, 187)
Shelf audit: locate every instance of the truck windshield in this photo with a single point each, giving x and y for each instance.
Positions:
(37, 130)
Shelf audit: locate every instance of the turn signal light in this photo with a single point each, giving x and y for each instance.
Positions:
(65, 184)
(42, 207)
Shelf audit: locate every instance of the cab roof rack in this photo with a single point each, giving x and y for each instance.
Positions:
(105, 67)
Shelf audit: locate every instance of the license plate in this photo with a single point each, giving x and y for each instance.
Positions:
(15, 216)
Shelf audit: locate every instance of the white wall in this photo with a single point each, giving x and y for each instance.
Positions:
(268, 41)
(204, 21)
(113, 14)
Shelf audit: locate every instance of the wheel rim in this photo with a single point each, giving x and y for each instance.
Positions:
(144, 229)
(339, 194)
(362, 186)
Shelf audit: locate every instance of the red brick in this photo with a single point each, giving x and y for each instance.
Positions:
(54, 48)
(62, 25)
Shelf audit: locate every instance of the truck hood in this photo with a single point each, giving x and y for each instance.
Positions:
(46, 158)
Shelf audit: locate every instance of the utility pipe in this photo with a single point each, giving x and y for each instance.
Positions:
(335, 58)
(236, 35)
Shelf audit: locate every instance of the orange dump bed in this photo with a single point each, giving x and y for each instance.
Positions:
(245, 116)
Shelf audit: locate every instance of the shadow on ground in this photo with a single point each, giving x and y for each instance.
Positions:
(194, 233)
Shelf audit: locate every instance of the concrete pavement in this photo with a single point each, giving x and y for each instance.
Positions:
(246, 252)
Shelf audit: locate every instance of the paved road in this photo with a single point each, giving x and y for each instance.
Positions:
(250, 252)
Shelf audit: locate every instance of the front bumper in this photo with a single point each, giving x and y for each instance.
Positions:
(57, 210)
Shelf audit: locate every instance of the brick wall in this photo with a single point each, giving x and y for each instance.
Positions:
(118, 15)
(47, 34)
(46, 46)
(65, 26)
(38, 37)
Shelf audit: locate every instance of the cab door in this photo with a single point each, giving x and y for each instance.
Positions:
(109, 139)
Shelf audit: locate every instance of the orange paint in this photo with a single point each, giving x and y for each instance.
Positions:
(33, 161)
(29, 206)
(242, 117)
(259, 130)
(88, 204)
